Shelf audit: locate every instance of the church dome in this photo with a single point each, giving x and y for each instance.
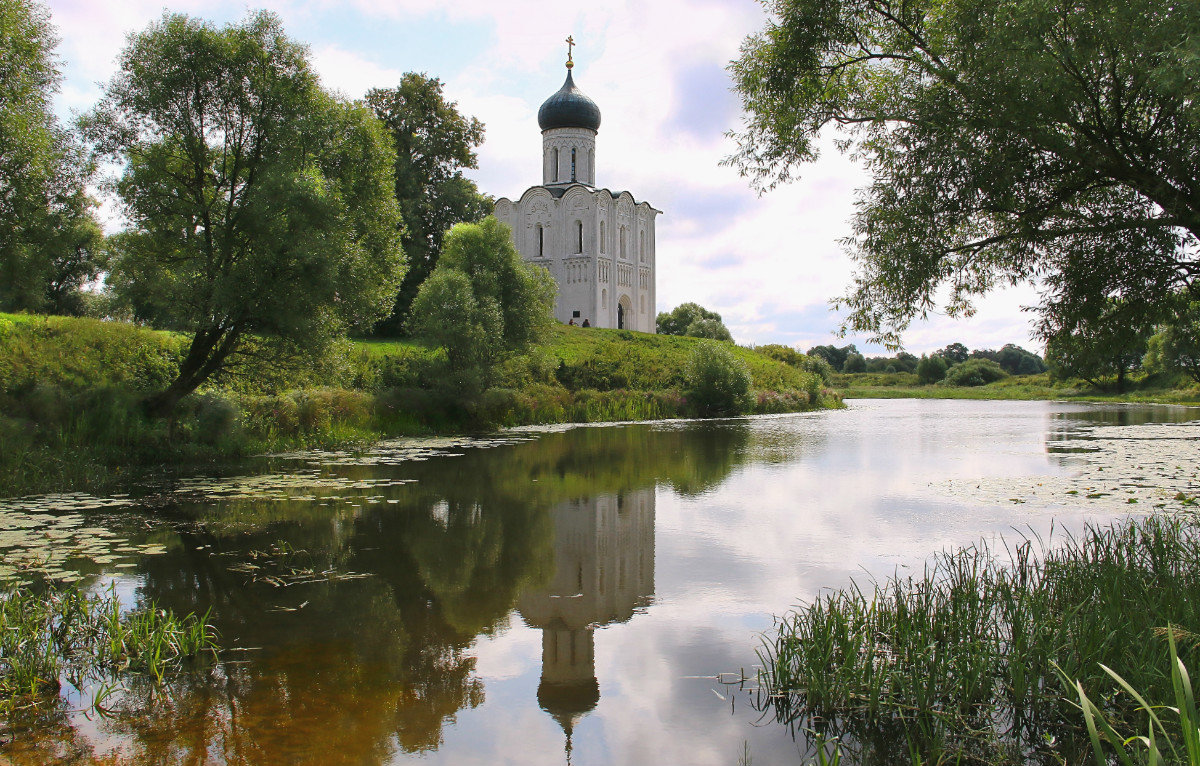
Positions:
(569, 108)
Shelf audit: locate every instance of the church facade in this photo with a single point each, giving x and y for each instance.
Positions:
(598, 244)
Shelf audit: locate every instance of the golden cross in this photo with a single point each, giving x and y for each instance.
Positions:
(570, 45)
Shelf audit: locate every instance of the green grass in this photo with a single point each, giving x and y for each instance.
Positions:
(70, 392)
(49, 636)
(1027, 387)
(965, 661)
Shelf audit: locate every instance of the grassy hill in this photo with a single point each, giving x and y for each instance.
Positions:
(70, 392)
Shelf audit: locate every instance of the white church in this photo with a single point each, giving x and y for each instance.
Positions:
(598, 244)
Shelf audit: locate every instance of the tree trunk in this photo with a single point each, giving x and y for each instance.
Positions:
(206, 355)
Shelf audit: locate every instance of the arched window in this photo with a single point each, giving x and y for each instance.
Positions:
(623, 242)
(554, 166)
(602, 236)
(642, 246)
(592, 166)
(572, 163)
(541, 241)
(578, 236)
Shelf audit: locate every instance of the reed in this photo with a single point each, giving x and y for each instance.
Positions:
(960, 662)
(65, 633)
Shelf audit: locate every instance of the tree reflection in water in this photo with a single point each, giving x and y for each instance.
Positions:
(333, 670)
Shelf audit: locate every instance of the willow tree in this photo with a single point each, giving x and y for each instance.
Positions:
(1008, 141)
(258, 204)
(50, 242)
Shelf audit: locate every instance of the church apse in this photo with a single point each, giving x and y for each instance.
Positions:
(604, 571)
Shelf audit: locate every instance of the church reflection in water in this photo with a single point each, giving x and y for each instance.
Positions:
(604, 571)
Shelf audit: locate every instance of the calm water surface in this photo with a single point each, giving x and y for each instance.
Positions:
(565, 596)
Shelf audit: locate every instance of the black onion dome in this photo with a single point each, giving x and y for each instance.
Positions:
(569, 108)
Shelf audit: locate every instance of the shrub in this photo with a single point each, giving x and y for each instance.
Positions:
(974, 372)
(931, 369)
(717, 381)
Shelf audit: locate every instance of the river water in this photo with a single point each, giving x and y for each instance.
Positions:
(548, 596)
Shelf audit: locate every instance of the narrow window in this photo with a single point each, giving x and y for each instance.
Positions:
(642, 246)
(572, 163)
(541, 241)
(602, 236)
(591, 166)
(604, 298)
(623, 242)
(579, 236)
(554, 166)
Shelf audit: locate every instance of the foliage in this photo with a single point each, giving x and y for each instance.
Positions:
(854, 363)
(717, 382)
(434, 143)
(692, 320)
(1073, 162)
(1176, 346)
(961, 662)
(835, 356)
(974, 372)
(901, 362)
(955, 353)
(1158, 740)
(483, 302)
(1095, 347)
(50, 242)
(1017, 361)
(815, 364)
(258, 204)
(64, 632)
(70, 389)
(931, 368)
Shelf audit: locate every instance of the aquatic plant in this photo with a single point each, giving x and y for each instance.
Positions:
(960, 662)
(1161, 736)
(66, 633)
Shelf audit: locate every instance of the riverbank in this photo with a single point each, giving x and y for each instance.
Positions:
(974, 657)
(1017, 388)
(70, 394)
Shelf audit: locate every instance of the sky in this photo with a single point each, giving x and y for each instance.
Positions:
(769, 264)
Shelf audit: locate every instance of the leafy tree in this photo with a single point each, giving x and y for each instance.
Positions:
(717, 382)
(1110, 344)
(258, 204)
(906, 362)
(955, 353)
(1008, 140)
(434, 143)
(854, 363)
(974, 372)
(931, 369)
(1017, 361)
(50, 243)
(835, 356)
(1176, 347)
(693, 320)
(483, 303)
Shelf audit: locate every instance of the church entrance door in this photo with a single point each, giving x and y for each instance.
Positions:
(620, 317)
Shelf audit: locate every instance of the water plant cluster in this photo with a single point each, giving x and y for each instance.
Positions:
(48, 637)
(966, 662)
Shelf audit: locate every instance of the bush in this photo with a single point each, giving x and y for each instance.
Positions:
(855, 363)
(931, 369)
(717, 381)
(974, 372)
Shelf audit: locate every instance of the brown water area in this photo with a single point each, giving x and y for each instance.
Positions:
(569, 595)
